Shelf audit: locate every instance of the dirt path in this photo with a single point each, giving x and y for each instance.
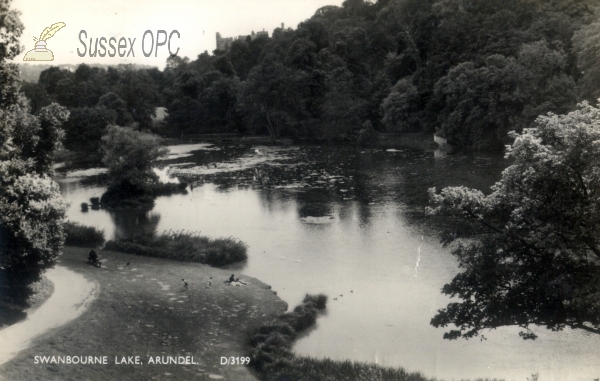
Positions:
(144, 309)
(72, 296)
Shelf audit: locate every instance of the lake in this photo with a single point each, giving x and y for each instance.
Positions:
(348, 222)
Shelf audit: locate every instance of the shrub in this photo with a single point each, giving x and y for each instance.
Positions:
(367, 135)
(319, 301)
(31, 223)
(272, 356)
(183, 246)
(277, 326)
(81, 235)
(303, 316)
(330, 370)
(272, 342)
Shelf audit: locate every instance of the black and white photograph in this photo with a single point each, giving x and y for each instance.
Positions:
(300, 190)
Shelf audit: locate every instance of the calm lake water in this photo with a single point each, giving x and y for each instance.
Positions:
(349, 223)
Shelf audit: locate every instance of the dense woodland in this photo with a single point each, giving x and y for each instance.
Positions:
(470, 70)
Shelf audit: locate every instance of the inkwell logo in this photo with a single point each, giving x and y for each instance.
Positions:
(40, 53)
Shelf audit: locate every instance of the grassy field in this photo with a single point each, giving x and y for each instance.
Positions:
(144, 309)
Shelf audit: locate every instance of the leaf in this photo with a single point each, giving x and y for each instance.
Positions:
(50, 31)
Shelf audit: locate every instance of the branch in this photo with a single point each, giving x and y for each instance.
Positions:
(586, 328)
(524, 242)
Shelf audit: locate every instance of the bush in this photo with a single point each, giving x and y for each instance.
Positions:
(303, 316)
(331, 370)
(367, 135)
(81, 235)
(272, 357)
(183, 246)
(127, 194)
(31, 223)
(319, 301)
(272, 342)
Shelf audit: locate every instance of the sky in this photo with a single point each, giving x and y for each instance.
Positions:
(197, 22)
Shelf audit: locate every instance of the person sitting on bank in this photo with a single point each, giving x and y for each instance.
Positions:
(92, 257)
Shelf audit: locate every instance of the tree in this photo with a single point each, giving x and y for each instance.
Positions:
(140, 93)
(130, 155)
(343, 109)
(273, 97)
(480, 104)
(112, 101)
(400, 107)
(586, 43)
(87, 125)
(31, 208)
(31, 223)
(537, 259)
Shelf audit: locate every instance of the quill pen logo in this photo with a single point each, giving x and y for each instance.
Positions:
(41, 53)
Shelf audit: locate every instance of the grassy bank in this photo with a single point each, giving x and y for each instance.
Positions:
(144, 310)
(81, 235)
(272, 342)
(15, 305)
(272, 353)
(330, 370)
(184, 246)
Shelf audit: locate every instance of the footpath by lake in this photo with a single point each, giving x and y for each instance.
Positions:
(349, 222)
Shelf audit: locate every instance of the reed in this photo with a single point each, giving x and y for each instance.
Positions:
(273, 359)
(183, 246)
(81, 235)
(272, 342)
(331, 370)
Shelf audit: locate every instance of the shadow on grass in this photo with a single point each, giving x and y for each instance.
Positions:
(16, 299)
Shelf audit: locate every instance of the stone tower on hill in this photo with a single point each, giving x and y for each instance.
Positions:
(224, 43)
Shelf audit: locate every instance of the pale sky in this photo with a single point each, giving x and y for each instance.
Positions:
(197, 21)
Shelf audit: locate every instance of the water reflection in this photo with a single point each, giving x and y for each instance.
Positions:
(129, 223)
(350, 223)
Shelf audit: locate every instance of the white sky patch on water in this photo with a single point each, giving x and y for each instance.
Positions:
(87, 172)
(163, 176)
(185, 150)
(265, 155)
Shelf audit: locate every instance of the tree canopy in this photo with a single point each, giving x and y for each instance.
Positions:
(537, 258)
(31, 207)
(468, 70)
(130, 155)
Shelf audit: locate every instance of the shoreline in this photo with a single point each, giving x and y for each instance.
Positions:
(72, 295)
(142, 310)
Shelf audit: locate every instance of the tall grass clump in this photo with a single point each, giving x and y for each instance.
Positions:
(332, 370)
(183, 246)
(272, 342)
(319, 301)
(272, 355)
(81, 235)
